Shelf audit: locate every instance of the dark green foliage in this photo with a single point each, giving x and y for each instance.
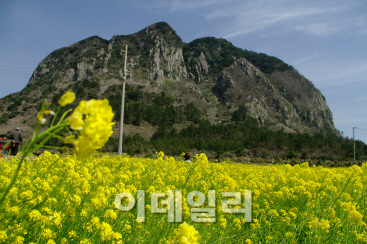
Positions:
(92, 53)
(13, 106)
(85, 89)
(49, 90)
(163, 100)
(220, 53)
(4, 118)
(246, 134)
(72, 49)
(169, 34)
(156, 109)
(240, 115)
(92, 95)
(13, 114)
(94, 39)
(57, 97)
(98, 65)
(90, 84)
(55, 142)
(267, 64)
(291, 154)
(227, 61)
(111, 145)
(58, 53)
(192, 113)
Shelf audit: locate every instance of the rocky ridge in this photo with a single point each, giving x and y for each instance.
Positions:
(210, 72)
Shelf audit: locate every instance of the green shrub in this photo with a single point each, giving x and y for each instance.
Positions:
(13, 114)
(4, 118)
(12, 107)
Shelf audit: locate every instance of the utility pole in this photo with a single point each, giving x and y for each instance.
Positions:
(122, 107)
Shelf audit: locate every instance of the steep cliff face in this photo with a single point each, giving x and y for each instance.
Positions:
(272, 91)
(167, 59)
(283, 97)
(210, 72)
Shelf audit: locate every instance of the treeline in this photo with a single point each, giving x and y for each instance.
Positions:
(242, 137)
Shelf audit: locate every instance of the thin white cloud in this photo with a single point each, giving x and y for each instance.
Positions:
(347, 73)
(305, 59)
(318, 29)
(247, 17)
(178, 5)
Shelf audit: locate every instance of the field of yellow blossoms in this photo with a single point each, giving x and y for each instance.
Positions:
(59, 199)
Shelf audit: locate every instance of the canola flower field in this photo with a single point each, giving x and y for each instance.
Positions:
(66, 199)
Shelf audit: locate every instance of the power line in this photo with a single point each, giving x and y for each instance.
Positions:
(14, 73)
(360, 129)
(349, 105)
(348, 102)
(18, 71)
(17, 63)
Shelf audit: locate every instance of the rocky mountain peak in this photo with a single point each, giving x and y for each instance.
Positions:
(209, 72)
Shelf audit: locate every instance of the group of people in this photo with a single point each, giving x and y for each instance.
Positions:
(15, 138)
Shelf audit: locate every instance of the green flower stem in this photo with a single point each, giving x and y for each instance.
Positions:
(51, 147)
(50, 135)
(63, 116)
(57, 112)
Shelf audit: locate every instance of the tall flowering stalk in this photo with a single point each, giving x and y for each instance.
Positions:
(91, 122)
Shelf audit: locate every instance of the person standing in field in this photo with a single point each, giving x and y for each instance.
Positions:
(3, 142)
(187, 158)
(17, 137)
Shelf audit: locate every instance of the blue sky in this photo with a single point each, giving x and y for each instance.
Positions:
(326, 41)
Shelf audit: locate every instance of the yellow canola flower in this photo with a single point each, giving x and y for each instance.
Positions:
(69, 139)
(48, 234)
(40, 115)
(19, 240)
(3, 236)
(76, 121)
(85, 241)
(95, 129)
(67, 98)
(72, 234)
(111, 214)
(186, 234)
(96, 181)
